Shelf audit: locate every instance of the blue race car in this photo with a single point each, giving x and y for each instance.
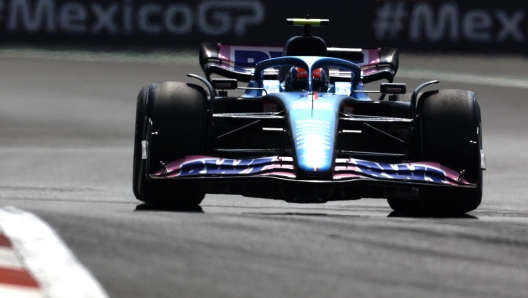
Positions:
(305, 130)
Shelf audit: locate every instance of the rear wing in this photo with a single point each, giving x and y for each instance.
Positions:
(238, 61)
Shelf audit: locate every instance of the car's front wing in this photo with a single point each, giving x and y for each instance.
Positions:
(211, 169)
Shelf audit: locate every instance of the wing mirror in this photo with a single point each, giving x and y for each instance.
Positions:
(224, 84)
(393, 89)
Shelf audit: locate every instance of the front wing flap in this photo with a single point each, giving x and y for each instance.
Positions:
(350, 170)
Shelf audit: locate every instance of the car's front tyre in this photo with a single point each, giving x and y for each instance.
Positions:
(178, 115)
(451, 134)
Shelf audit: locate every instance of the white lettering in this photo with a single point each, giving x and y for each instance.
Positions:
(255, 18)
(222, 20)
(184, 12)
(476, 26)
(128, 18)
(105, 18)
(43, 16)
(446, 22)
(72, 18)
(423, 18)
(510, 26)
(144, 15)
(213, 17)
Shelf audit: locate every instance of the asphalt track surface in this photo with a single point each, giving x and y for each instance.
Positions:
(66, 131)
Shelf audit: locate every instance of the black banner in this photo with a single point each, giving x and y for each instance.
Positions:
(434, 25)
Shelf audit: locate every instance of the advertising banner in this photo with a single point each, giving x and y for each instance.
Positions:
(433, 25)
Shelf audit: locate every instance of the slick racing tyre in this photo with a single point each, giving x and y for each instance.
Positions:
(178, 115)
(451, 134)
(405, 205)
(140, 132)
(405, 201)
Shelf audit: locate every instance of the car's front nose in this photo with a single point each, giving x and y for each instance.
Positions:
(313, 122)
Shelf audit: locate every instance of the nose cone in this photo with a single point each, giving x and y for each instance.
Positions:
(314, 144)
(313, 120)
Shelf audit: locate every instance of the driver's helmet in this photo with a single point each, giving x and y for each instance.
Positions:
(297, 79)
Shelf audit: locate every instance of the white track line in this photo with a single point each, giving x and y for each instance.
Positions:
(48, 259)
(18, 292)
(166, 58)
(15, 280)
(497, 81)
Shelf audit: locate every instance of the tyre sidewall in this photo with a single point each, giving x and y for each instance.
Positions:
(451, 135)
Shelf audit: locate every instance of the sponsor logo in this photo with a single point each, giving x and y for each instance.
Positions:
(412, 171)
(270, 107)
(221, 166)
(246, 57)
(243, 58)
(302, 73)
(223, 85)
(128, 17)
(249, 58)
(348, 109)
(446, 21)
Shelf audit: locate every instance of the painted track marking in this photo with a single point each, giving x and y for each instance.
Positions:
(15, 280)
(45, 256)
(462, 78)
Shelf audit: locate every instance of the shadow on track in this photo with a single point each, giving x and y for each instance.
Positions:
(396, 214)
(301, 214)
(147, 207)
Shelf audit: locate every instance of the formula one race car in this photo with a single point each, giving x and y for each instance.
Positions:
(305, 130)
